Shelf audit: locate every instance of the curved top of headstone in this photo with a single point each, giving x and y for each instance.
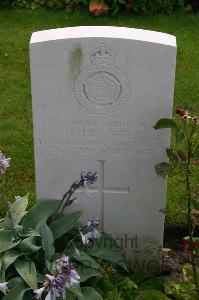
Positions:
(104, 32)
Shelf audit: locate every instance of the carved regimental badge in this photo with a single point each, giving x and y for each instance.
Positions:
(102, 88)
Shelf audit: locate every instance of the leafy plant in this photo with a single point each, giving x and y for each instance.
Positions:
(36, 245)
(184, 157)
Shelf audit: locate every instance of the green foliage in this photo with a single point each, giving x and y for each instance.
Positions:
(163, 169)
(138, 6)
(27, 270)
(39, 214)
(186, 162)
(34, 253)
(6, 238)
(152, 295)
(18, 210)
(17, 291)
(89, 293)
(65, 223)
(47, 241)
(180, 291)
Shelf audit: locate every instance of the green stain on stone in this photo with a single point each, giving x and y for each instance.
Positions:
(75, 61)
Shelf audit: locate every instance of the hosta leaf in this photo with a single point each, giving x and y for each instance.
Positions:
(40, 278)
(153, 283)
(163, 169)
(12, 282)
(47, 241)
(84, 258)
(126, 283)
(75, 289)
(98, 249)
(27, 270)
(165, 123)
(6, 240)
(2, 270)
(18, 210)
(64, 224)
(87, 272)
(39, 214)
(89, 293)
(10, 256)
(152, 295)
(30, 245)
(17, 292)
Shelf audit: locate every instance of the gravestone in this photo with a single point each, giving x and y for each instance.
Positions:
(97, 93)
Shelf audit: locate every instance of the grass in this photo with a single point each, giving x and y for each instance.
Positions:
(16, 138)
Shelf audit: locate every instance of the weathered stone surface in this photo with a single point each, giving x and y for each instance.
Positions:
(96, 93)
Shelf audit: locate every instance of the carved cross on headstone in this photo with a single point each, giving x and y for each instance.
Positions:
(101, 190)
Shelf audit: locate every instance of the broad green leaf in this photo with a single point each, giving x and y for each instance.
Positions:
(17, 292)
(30, 245)
(126, 283)
(18, 210)
(64, 224)
(152, 295)
(6, 240)
(75, 289)
(29, 233)
(173, 158)
(47, 241)
(196, 152)
(69, 295)
(165, 123)
(40, 278)
(98, 249)
(27, 270)
(87, 272)
(105, 285)
(2, 270)
(153, 283)
(10, 256)
(39, 214)
(12, 282)
(84, 258)
(89, 293)
(163, 169)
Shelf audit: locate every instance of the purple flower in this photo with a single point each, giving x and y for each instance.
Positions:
(92, 223)
(65, 276)
(4, 163)
(3, 287)
(88, 179)
(86, 237)
(93, 234)
(38, 293)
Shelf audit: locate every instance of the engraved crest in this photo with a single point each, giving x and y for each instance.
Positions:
(102, 88)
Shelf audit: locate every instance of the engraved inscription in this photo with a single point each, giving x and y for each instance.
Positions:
(102, 88)
(108, 138)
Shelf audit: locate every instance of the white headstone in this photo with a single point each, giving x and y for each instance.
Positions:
(97, 93)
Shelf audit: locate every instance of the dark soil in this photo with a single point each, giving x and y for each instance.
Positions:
(173, 260)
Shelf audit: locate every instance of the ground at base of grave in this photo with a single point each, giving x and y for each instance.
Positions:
(175, 256)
